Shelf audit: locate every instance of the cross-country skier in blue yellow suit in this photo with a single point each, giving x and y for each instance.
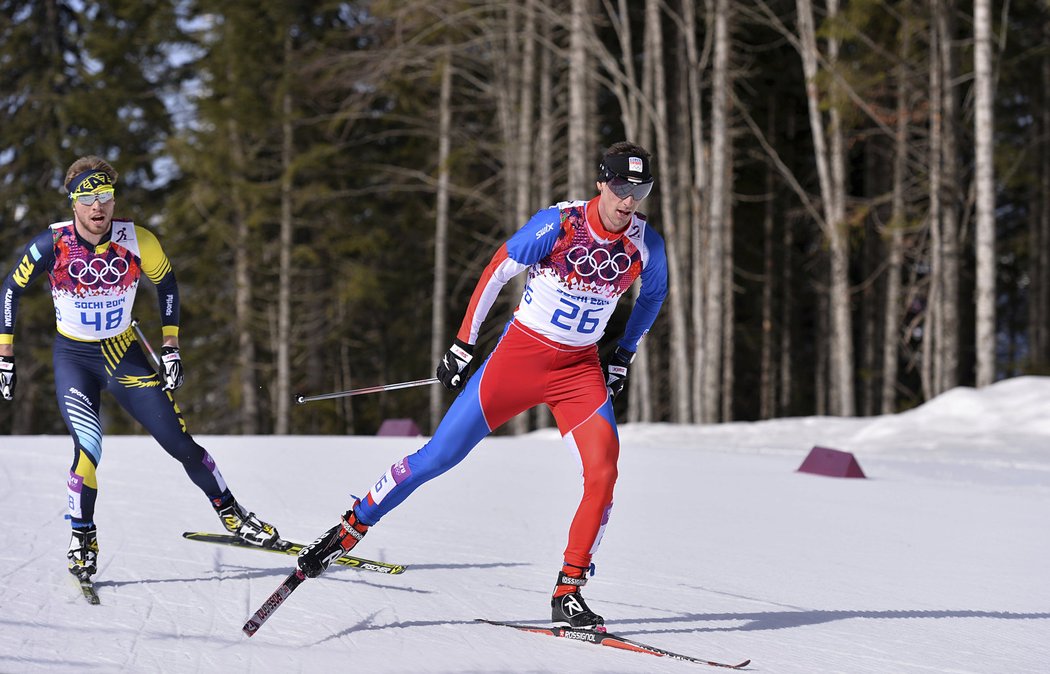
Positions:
(94, 263)
(581, 257)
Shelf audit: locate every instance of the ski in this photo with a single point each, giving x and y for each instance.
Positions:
(609, 639)
(288, 548)
(87, 587)
(282, 592)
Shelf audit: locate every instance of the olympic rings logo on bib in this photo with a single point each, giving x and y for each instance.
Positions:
(599, 261)
(98, 270)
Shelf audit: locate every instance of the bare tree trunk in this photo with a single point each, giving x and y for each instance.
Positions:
(630, 104)
(720, 148)
(1039, 250)
(697, 215)
(284, 289)
(545, 137)
(931, 320)
(822, 345)
(683, 202)
(871, 259)
(679, 383)
(728, 301)
(985, 185)
(787, 307)
(831, 171)
(947, 344)
(841, 356)
(439, 339)
(641, 403)
(892, 313)
(787, 301)
(579, 154)
(767, 379)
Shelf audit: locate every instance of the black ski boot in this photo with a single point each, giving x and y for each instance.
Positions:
(246, 525)
(567, 604)
(83, 553)
(331, 545)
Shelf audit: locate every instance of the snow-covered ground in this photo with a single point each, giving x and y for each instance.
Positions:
(939, 561)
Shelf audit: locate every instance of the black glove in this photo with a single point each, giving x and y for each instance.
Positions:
(172, 364)
(616, 370)
(452, 370)
(7, 377)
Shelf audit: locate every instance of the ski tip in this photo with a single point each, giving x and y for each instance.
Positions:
(743, 664)
(300, 399)
(198, 535)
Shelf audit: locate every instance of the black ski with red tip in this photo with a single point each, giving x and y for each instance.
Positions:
(609, 639)
(274, 602)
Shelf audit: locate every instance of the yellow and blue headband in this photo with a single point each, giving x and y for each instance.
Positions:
(91, 181)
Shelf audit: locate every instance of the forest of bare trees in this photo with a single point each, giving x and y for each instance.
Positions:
(855, 195)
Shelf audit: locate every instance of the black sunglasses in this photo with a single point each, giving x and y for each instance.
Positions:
(623, 188)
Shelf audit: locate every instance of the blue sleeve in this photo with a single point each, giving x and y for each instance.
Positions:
(536, 239)
(37, 258)
(652, 294)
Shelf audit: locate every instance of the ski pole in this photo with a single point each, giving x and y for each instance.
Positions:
(145, 345)
(301, 399)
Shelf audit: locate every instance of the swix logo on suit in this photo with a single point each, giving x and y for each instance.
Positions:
(94, 288)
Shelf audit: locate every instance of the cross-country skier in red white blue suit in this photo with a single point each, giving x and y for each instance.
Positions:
(94, 263)
(581, 257)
